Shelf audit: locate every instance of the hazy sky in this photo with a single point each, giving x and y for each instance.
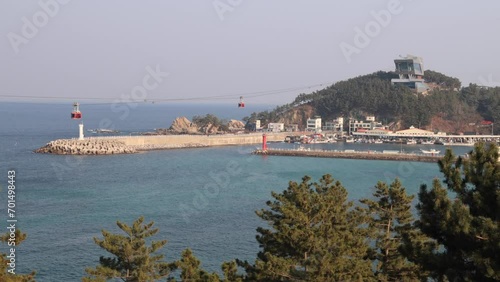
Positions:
(109, 49)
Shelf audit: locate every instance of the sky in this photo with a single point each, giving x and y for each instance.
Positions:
(209, 51)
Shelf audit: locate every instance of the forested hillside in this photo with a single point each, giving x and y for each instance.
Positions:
(446, 107)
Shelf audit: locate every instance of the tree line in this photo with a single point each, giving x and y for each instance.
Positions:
(314, 233)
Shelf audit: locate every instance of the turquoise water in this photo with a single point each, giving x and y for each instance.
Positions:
(199, 198)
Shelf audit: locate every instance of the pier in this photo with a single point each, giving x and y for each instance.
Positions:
(350, 154)
(132, 144)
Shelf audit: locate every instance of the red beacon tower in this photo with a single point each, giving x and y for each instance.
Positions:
(76, 114)
(241, 104)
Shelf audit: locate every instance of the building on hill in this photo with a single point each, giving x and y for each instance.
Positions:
(275, 126)
(335, 125)
(313, 124)
(411, 73)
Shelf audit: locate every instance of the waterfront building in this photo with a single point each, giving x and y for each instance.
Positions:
(313, 124)
(410, 70)
(292, 127)
(275, 126)
(257, 125)
(336, 125)
(414, 132)
(369, 124)
(378, 132)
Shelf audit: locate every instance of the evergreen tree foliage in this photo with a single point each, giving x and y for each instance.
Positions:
(391, 220)
(133, 260)
(315, 235)
(441, 79)
(210, 119)
(467, 227)
(230, 270)
(191, 271)
(5, 276)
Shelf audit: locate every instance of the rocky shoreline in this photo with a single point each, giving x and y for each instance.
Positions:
(86, 147)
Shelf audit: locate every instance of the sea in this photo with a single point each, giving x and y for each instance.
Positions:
(204, 198)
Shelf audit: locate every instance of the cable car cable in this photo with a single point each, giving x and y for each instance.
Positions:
(215, 97)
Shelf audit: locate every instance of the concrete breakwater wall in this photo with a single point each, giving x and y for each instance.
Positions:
(187, 141)
(368, 155)
(86, 147)
(131, 144)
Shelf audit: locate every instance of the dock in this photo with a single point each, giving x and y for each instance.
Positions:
(350, 154)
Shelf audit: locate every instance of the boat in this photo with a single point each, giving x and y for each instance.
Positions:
(104, 130)
(349, 140)
(431, 151)
(378, 141)
(319, 141)
(427, 142)
(411, 142)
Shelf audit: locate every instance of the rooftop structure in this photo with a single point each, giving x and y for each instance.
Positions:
(411, 73)
(412, 131)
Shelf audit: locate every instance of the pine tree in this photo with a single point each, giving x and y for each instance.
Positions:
(391, 220)
(6, 276)
(190, 269)
(230, 270)
(315, 235)
(466, 228)
(132, 260)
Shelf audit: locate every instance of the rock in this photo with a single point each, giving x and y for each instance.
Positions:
(85, 147)
(235, 125)
(209, 129)
(182, 125)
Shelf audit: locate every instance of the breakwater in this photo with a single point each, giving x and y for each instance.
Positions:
(131, 144)
(86, 147)
(363, 155)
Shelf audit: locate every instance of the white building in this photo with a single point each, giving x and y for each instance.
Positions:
(257, 125)
(314, 124)
(369, 124)
(334, 125)
(416, 132)
(275, 126)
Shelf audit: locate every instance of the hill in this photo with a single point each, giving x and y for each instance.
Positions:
(445, 107)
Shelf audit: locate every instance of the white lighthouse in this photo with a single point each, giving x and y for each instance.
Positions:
(80, 136)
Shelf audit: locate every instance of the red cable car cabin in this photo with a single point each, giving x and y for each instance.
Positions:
(241, 104)
(76, 114)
